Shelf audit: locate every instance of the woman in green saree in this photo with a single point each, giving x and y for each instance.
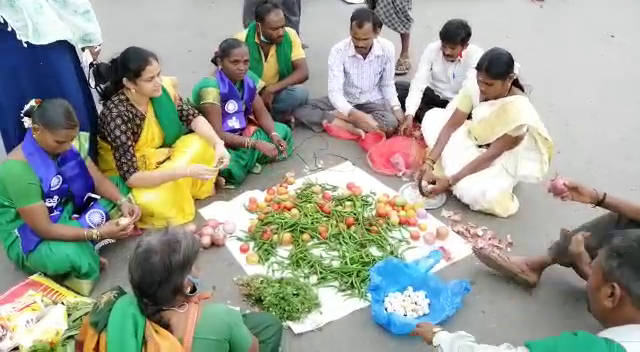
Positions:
(55, 203)
(165, 312)
(230, 100)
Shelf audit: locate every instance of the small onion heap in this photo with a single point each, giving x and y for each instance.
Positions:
(410, 303)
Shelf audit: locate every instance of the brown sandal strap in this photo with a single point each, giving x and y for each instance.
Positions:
(501, 264)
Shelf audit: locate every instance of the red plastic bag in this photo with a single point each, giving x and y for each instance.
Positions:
(411, 151)
(371, 139)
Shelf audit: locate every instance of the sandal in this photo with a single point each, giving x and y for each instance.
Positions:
(502, 264)
(403, 66)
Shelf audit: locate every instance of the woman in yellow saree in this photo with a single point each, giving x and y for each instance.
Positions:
(488, 139)
(143, 140)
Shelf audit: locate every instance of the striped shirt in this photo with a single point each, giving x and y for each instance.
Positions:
(357, 80)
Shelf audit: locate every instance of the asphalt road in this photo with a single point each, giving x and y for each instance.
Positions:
(579, 61)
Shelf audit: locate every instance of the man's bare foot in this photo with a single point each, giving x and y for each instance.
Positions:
(346, 126)
(365, 122)
(518, 269)
(104, 263)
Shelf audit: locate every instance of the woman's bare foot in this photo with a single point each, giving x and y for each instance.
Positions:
(104, 263)
(519, 269)
(221, 182)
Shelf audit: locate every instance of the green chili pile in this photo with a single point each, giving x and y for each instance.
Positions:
(335, 238)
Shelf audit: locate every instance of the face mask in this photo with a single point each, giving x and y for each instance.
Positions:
(195, 282)
(262, 38)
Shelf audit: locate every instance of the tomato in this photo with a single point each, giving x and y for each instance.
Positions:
(252, 208)
(404, 220)
(244, 248)
(411, 213)
(392, 202)
(357, 191)
(266, 235)
(402, 213)
(253, 259)
(350, 221)
(268, 198)
(275, 207)
(271, 191)
(395, 220)
(414, 235)
(381, 211)
(253, 200)
(287, 239)
(374, 229)
(423, 226)
(288, 205)
(400, 201)
(295, 213)
(282, 191)
(326, 209)
(261, 217)
(351, 186)
(322, 229)
(383, 199)
(252, 228)
(324, 235)
(326, 196)
(412, 222)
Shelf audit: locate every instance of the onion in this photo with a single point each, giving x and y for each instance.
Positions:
(218, 239)
(190, 228)
(213, 223)
(123, 221)
(422, 213)
(557, 186)
(229, 227)
(207, 231)
(442, 232)
(205, 241)
(429, 238)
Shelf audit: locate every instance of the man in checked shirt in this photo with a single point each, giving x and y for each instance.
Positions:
(362, 95)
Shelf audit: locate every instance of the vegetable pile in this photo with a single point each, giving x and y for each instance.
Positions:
(410, 303)
(213, 232)
(334, 236)
(288, 298)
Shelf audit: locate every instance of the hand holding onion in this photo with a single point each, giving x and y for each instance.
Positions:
(566, 189)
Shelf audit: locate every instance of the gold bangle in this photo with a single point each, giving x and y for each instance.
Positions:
(86, 238)
(95, 235)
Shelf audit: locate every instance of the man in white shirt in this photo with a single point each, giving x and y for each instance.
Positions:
(443, 68)
(362, 94)
(613, 290)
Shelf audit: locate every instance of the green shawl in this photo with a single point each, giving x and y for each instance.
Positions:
(168, 118)
(283, 53)
(578, 341)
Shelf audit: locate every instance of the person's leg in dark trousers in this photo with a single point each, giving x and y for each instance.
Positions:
(429, 100)
(574, 249)
(319, 112)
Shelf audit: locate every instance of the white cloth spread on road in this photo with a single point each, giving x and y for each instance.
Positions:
(444, 77)
(357, 80)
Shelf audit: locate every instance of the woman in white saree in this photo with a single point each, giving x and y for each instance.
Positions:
(488, 139)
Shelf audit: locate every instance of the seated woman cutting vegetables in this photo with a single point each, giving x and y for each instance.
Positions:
(231, 102)
(488, 139)
(144, 139)
(166, 312)
(55, 203)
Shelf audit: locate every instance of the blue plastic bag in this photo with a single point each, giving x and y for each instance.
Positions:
(395, 275)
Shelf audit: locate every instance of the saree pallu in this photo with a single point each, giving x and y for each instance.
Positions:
(491, 190)
(171, 203)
